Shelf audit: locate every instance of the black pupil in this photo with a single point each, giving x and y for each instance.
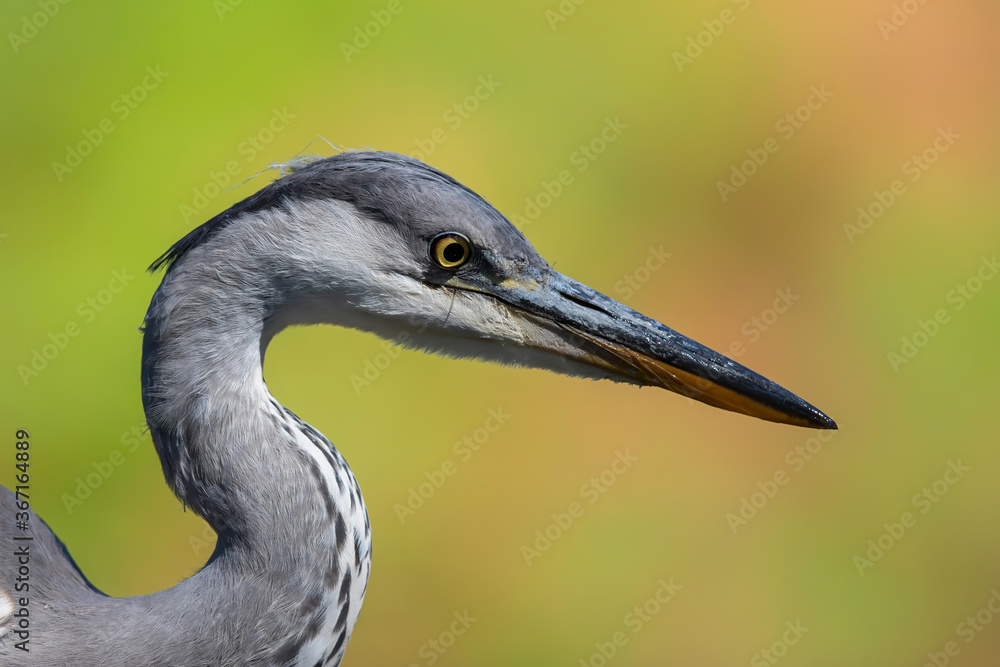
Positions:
(453, 252)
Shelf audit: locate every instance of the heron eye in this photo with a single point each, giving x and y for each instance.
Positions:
(450, 250)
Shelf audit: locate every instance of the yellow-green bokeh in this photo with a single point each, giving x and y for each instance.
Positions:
(223, 75)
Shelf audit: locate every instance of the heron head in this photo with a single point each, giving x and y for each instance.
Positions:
(387, 244)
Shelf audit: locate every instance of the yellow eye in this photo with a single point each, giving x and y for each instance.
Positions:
(450, 250)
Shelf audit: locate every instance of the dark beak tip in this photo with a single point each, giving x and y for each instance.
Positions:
(825, 423)
(815, 418)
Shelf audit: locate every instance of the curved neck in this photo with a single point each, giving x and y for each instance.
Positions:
(228, 449)
(204, 396)
(292, 525)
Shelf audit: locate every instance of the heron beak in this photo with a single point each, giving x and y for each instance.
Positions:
(623, 344)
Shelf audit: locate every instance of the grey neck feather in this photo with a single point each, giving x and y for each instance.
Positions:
(203, 389)
(210, 414)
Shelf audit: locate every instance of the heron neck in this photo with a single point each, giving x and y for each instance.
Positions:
(209, 412)
(282, 500)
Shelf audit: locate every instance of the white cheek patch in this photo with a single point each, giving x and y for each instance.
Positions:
(6, 611)
(447, 312)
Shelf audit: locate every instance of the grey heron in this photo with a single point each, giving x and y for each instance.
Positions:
(375, 241)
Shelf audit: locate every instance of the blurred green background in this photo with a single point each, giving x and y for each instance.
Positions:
(156, 101)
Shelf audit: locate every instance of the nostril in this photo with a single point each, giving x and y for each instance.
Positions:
(585, 303)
